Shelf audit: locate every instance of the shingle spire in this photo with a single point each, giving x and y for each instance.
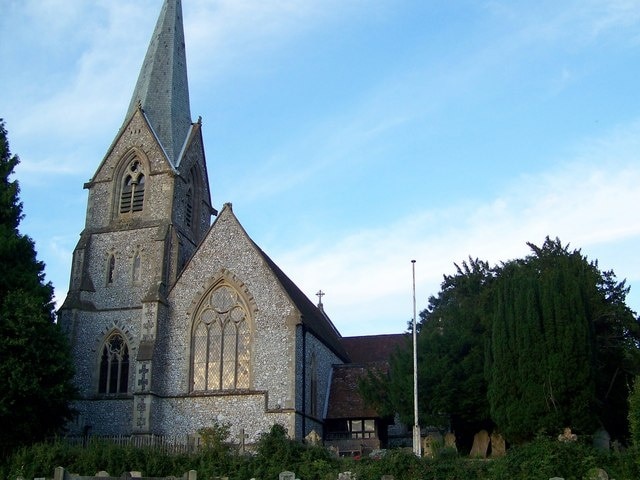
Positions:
(162, 90)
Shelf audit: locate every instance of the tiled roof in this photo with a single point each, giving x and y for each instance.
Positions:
(162, 88)
(374, 348)
(314, 319)
(367, 353)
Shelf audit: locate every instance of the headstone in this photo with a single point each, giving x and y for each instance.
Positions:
(431, 444)
(135, 474)
(58, 473)
(450, 441)
(287, 476)
(102, 473)
(346, 476)
(387, 477)
(602, 440)
(480, 445)
(597, 474)
(313, 438)
(567, 436)
(498, 445)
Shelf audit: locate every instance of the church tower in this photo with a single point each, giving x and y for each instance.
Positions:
(148, 210)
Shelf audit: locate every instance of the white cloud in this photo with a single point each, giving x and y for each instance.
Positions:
(590, 202)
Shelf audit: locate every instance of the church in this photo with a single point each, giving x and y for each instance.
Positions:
(176, 318)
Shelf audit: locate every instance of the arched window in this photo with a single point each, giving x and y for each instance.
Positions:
(132, 188)
(220, 342)
(111, 267)
(114, 365)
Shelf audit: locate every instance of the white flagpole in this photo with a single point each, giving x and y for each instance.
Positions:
(417, 448)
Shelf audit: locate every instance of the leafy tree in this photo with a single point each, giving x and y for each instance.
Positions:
(451, 341)
(35, 363)
(634, 413)
(532, 345)
(561, 345)
(451, 338)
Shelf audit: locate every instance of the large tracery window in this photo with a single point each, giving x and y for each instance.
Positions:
(132, 188)
(114, 365)
(220, 342)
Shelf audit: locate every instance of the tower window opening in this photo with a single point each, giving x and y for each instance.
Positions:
(114, 365)
(132, 191)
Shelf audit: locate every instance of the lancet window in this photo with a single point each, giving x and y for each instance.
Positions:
(111, 268)
(136, 270)
(220, 342)
(114, 365)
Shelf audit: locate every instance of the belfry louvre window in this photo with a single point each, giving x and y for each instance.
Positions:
(220, 343)
(132, 191)
(114, 365)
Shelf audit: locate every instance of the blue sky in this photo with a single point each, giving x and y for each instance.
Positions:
(352, 136)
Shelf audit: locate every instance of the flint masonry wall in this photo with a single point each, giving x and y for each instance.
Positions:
(227, 253)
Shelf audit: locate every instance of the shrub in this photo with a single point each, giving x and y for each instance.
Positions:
(544, 458)
(634, 413)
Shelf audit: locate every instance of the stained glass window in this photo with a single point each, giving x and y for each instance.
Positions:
(220, 343)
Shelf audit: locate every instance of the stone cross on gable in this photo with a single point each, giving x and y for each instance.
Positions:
(320, 294)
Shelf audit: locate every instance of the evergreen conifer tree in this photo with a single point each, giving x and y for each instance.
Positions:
(35, 362)
(562, 344)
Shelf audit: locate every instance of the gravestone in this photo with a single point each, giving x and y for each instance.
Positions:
(243, 438)
(597, 474)
(431, 444)
(450, 441)
(567, 436)
(602, 440)
(480, 444)
(102, 473)
(498, 445)
(287, 476)
(346, 476)
(387, 477)
(313, 438)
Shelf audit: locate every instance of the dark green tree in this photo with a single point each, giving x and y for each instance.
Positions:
(634, 413)
(562, 345)
(35, 362)
(451, 339)
(452, 336)
(531, 346)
